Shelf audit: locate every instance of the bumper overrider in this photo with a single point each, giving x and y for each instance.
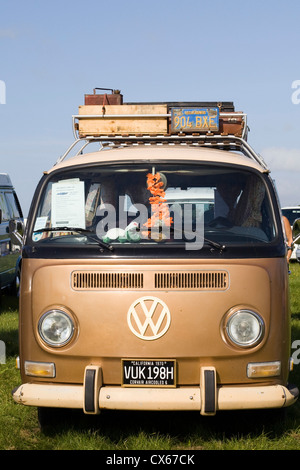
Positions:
(92, 396)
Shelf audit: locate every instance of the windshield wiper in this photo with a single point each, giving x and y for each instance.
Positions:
(211, 243)
(216, 245)
(78, 230)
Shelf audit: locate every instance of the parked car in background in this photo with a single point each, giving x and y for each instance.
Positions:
(292, 213)
(11, 226)
(298, 253)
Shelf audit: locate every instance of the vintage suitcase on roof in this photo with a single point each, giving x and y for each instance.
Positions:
(113, 98)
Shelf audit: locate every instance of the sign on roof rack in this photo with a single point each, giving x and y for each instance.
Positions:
(194, 119)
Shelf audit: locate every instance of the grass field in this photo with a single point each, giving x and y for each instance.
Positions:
(117, 431)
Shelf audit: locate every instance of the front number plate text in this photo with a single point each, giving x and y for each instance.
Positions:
(148, 373)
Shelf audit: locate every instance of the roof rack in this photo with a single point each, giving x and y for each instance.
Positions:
(214, 124)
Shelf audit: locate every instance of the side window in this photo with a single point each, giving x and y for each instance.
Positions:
(12, 205)
(3, 207)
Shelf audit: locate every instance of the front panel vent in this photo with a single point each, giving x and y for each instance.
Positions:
(206, 280)
(89, 280)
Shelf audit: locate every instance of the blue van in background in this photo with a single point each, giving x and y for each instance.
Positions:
(11, 229)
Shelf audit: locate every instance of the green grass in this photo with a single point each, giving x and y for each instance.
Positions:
(116, 431)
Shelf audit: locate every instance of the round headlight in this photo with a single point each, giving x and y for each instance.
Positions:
(56, 328)
(245, 328)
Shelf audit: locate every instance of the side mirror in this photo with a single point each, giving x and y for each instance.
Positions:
(15, 236)
(296, 231)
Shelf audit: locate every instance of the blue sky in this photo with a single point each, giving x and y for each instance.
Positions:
(52, 53)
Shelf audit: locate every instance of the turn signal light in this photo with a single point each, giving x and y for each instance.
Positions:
(40, 369)
(263, 369)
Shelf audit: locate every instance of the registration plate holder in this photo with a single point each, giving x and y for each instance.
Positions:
(189, 120)
(148, 373)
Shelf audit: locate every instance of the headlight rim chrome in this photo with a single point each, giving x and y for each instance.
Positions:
(246, 345)
(46, 341)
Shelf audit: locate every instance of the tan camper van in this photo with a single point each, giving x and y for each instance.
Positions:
(154, 271)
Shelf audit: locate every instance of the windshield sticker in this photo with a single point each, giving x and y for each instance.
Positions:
(40, 223)
(68, 204)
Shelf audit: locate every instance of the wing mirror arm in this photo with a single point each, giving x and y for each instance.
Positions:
(15, 236)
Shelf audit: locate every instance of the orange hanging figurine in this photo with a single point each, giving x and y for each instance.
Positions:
(160, 210)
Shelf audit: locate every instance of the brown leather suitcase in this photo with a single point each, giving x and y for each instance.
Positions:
(104, 99)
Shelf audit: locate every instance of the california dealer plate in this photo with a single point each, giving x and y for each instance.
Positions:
(148, 373)
(194, 119)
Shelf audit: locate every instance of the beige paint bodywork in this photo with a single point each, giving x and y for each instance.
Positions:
(165, 152)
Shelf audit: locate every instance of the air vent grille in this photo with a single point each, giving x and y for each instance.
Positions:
(83, 280)
(206, 280)
(181, 280)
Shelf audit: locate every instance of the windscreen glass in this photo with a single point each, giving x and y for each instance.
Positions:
(154, 205)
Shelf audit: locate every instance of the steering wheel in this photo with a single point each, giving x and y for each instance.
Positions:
(221, 221)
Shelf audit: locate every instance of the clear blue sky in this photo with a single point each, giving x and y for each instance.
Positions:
(52, 53)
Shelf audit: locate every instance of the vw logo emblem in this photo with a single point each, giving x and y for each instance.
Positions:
(148, 318)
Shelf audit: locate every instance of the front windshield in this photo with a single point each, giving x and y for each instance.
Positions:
(157, 204)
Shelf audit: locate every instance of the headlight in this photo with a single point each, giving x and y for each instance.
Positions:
(245, 328)
(56, 328)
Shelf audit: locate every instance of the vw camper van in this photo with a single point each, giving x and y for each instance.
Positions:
(154, 271)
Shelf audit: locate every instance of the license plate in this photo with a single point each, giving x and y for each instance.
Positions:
(148, 373)
(194, 119)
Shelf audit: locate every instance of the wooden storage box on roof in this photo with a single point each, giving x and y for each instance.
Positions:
(122, 119)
